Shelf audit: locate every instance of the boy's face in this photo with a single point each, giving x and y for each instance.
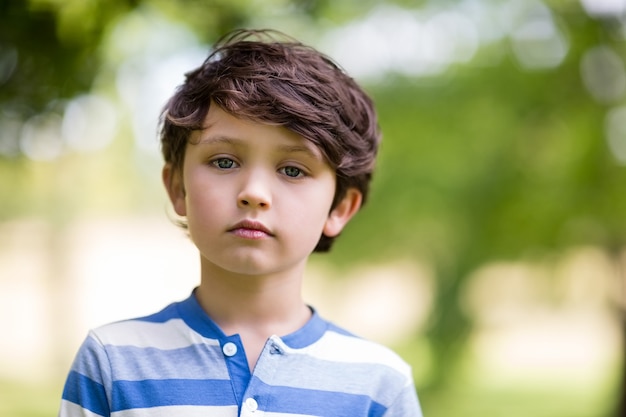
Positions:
(256, 197)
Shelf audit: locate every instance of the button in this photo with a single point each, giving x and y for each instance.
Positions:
(252, 404)
(275, 349)
(229, 349)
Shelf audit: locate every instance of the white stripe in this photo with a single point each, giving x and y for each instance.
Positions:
(286, 415)
(180, 411)
(336, 347)
(173, 334)
(70, 409)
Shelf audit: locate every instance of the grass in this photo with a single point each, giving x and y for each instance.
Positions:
(20, 399)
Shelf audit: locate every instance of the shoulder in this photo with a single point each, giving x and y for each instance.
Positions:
(344, 363)
(165, 329)
(341, 346)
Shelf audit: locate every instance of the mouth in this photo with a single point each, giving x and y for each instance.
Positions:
(250, 229)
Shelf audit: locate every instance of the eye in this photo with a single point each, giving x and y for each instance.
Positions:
(223, 163)
(293, 172)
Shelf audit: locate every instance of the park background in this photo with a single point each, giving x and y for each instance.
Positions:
(491, 255)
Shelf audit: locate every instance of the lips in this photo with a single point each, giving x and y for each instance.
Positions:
(250, 229)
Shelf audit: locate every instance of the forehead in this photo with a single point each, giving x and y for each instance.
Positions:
(221, 127)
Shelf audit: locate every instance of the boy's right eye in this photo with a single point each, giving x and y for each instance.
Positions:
(223, 163)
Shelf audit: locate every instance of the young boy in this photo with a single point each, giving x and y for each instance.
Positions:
(269, 149)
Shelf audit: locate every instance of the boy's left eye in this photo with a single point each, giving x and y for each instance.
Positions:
(292, 172)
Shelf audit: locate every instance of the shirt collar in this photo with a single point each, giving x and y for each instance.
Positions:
(196, 318)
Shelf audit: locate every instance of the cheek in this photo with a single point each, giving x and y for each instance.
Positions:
(204, 203)
(311, 213)
(202, 189)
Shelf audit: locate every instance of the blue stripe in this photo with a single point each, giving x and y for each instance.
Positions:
(87, 393)
(93, 360)
(193, 362)
(164, 392)
(316, 402)
(376, 381)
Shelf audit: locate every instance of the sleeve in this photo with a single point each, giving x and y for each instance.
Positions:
(87, 388)
(405, 404)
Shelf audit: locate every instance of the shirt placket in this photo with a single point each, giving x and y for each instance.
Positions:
(256, 396)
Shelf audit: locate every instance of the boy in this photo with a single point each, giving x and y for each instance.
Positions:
(269, 149)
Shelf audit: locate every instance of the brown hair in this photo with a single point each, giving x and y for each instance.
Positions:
(256, 75)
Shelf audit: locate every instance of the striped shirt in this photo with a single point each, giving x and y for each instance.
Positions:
(179, 363)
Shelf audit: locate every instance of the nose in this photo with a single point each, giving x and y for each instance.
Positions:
(255, 192)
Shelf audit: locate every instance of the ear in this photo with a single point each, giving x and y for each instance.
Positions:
(343, 212)
(173, 181)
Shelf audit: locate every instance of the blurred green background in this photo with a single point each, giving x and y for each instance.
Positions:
(490, 255)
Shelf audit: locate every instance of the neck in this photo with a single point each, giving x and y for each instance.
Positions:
(263, 305)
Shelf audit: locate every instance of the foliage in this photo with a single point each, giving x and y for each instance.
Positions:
(490, 163)
(49, 53)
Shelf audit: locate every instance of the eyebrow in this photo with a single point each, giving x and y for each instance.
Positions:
(315, 154)
(209, 140)
(310, 151)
